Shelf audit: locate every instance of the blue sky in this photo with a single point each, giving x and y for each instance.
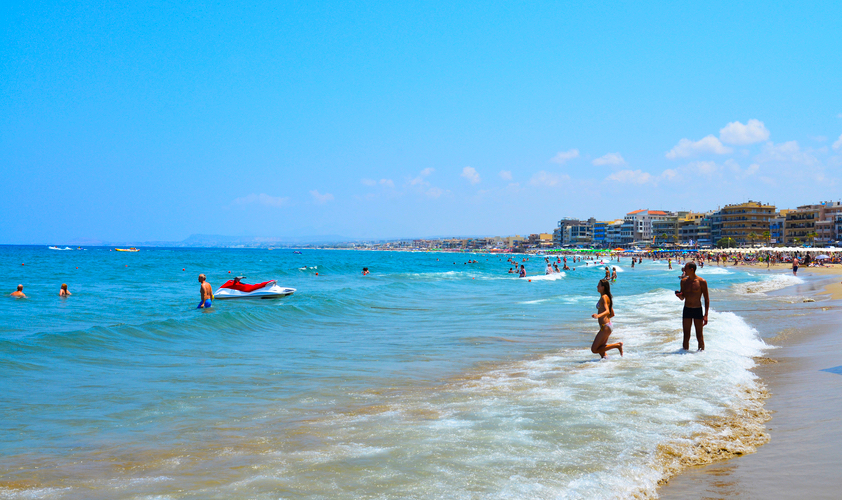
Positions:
(370, 120)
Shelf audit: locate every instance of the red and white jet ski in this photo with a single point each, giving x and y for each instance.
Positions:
(235, 289)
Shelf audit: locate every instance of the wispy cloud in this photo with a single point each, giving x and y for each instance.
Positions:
(750, 133)
(564, 156)
(387, 182)
(262, 199)
(686, 148)
(506, 175)
(786, 152)
(547, 179)
(631, 177)
(420, 180)
(471, 174)
(838, 143)
(435, 192)
(320, 198)
(368, 182)
(610, 159)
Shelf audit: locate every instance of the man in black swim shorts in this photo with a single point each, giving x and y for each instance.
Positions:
(693, 288)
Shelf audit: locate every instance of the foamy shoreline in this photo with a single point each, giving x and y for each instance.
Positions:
(798, 460)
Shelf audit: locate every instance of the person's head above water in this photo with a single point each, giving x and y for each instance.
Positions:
(20, 288)
(201, 278)
(64, 286)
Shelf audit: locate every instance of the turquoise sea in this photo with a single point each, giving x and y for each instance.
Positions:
(429, 378)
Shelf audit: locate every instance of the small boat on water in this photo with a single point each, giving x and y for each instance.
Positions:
(57, 248)
(132, 249)
(235, 289)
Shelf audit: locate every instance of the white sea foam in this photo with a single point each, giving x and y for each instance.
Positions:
(564, 425)
(769, 283)
(547, 277)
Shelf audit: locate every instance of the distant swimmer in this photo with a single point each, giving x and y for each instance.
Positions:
(669, 262)
(693, 288)
(365, 271)
(555, 266)
(605, 311)
(549, 269)
(18, 293)
(522, 273)
(613, 274)
(64, 292)
(632, 263)
(795, 266)
(511, 271)
(206, 292)
(607, 273)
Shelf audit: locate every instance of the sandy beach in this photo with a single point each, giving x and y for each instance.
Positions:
(804, 378)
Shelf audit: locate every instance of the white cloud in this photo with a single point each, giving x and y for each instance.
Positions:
(610, 159)
(737, 133)
(838, 143)
(787, 152)
(669, 174)
(547, 179)
(706, 168)
(820, 138)
(262, 199)
(471, 174)
(563, 156)
(435, 192)
(631, 177)
(686, 147)
(387, 183)
(419, 181)
(506, 175)
(320, 198)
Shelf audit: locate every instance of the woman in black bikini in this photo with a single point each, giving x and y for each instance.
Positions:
(605, 311)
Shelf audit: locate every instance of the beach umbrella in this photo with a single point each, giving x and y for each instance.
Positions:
(822, 257)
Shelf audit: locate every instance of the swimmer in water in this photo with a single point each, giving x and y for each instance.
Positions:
(613, 274)
(365, 271)
(605, 311)
(64, 292)
(18, 294)
(206, 292)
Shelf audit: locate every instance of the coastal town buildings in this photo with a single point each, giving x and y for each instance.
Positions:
(749, 223)
(745, 223)
(637, 226)
(813, 224)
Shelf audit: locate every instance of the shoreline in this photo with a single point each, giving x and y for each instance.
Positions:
(801, 453)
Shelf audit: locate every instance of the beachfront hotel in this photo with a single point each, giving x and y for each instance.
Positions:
(745, 223)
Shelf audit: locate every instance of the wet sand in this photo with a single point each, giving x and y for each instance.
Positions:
(804, 457)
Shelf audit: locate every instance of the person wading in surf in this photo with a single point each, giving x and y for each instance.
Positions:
(693, 288)
(605, 311)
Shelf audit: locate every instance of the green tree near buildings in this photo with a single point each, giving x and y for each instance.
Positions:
(726, 243)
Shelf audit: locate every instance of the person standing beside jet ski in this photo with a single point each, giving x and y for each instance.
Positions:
(205, 292)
